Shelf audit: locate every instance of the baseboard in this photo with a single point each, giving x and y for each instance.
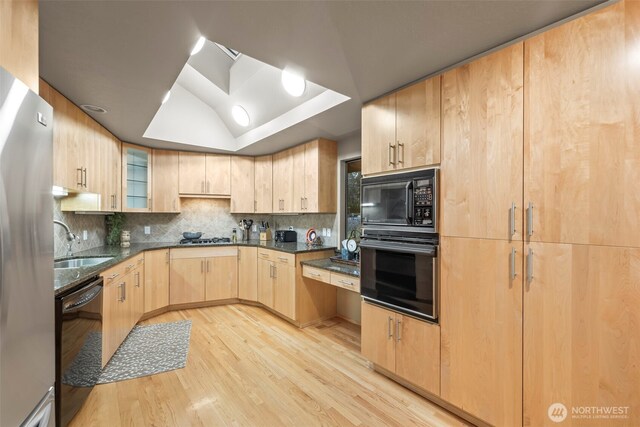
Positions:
(454, 410)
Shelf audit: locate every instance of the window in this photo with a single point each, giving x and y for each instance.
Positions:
(353, 176)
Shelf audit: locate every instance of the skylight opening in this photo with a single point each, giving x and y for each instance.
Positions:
(233, 54)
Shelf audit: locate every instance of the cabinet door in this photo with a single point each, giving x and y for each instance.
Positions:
(113, 312)
(481, 173)
(248, 273)
(481, 327)
(137, 291)
(379, 135)
(264, 184)
(418, 124)
(19, 40)
(218, 178)
(284, 292)
(187, 280)
(89, 141)
(418, 352)
(283, 178)
(136, 178)
(192, 171)
(242, 185)
(166, 191)
(110, 170)
(320, 171)
(222, 278)
(582, 156)
(581, 332)
(378, 336)
(156, 280)
(75, 132)
(298, 161)
(265, 282)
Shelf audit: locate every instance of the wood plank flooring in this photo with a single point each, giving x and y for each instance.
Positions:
(247, 367)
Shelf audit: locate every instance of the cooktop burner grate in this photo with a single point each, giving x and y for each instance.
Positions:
(211, 241)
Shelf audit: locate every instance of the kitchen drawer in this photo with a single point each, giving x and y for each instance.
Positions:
(115, 273)
(316, 274)
(284, 258)
(133, 263)
(204, 252)
(347, 282)
(266, 254)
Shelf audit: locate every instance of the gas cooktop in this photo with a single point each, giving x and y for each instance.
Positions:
(211, 241)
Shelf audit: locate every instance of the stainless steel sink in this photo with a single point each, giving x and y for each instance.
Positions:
(80, 262)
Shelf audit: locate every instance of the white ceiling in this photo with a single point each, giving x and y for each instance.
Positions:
(214, 83)
(125, 55)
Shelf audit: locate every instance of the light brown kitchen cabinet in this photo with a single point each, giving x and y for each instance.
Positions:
(266, 281)
(156, 280)
(263, 184)
(283, 178)
(243, 192)
(205, 174)
(304, 178)
(580, 325)
(582, 156)
(482, 146)
(19, 40)
(165, 188)
(402, 130)
(402, 345)
(481, 327)
(248, 273)
(136, 178)
(187, 280)
(222, 277)
(110, 168)
(284, 289)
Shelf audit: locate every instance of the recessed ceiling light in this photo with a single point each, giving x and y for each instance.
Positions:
(166, 97)
(93, 108)
(293, 83)
(198, 47)
(240, 115)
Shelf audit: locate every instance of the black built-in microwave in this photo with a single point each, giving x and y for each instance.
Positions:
(401, 201)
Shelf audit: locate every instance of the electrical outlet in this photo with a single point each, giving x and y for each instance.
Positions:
(328, 232)
(85, 235)
(324, 232)
(147, 229)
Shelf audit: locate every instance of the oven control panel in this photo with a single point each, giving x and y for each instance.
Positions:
(423, 206)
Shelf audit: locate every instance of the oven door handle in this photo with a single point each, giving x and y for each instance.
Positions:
(431, 250)
(408, 202)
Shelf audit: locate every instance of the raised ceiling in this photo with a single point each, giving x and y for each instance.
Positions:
(124, 56)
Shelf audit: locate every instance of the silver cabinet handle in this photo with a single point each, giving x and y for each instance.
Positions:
(400, 156)
(530, 219)
(390, 328)
(79, 176)
(513, 264)
(137, 279)
(530, 265)
(392, 158)
(344, 282)
(512, 214)
(208, 266)
(275, 271)
(201, 266)
(167, 254)
(113, 276)
(301, 203)
(314, 274)
(121, 297)
(398, 328)
(84, 177)
(270, 270)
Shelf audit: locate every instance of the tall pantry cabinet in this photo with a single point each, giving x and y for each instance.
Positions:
(582, 171)
(481, 237)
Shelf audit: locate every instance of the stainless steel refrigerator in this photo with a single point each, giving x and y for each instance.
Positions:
(27, 334)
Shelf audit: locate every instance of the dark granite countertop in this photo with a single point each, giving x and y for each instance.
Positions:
(336, 267)
(66, 279)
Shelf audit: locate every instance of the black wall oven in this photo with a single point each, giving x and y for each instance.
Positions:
(401, 274)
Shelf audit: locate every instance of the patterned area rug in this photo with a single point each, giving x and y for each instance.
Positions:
(147, 350)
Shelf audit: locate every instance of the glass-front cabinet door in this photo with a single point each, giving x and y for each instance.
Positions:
(136, 179)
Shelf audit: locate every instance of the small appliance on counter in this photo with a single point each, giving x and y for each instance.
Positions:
(286, 236)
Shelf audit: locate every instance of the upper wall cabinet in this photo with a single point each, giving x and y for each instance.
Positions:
(164, 187)
(482, 143)
(304, 178)
(136, 178)
(402, 130)
(263, 184)
(205, 174)
(86, 157)
(19, 40)
(582, 156)
(242, 185)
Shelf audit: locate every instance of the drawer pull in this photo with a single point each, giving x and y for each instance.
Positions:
(283, 259)
(314, 274)
(344, 282)
(113, 276)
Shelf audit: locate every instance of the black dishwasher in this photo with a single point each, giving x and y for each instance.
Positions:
(78, 347)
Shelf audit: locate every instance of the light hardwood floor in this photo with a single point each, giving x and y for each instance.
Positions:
(247, 367)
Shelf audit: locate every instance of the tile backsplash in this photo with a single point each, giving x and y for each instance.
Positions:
(210, 216)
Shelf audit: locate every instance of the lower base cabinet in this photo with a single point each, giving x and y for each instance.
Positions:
(187, 280)
(222, 278)
(248, 273)
(266, 282)
(402, 345)
(277, 282)
(156, 280)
